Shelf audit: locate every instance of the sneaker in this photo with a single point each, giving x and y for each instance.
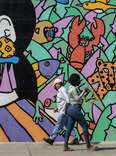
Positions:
(49, 141)
(91, 148)
(66, 148)
(74, 142)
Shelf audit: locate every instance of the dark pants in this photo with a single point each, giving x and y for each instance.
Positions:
(74, 114)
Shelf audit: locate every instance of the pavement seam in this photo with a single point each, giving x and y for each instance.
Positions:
(29, 150)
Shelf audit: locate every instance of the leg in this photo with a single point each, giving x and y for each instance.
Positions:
(73, 134)
(81, 120)
(70, 124)
(58, 127)
(75, 140)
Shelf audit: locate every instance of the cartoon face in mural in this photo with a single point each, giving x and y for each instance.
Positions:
(44, 32)
(7, 37)
(106, 77)
(6, 28)
(15, 34)
(7, 51)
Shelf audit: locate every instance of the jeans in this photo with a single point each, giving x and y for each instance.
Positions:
(74, 114)
(61, 122)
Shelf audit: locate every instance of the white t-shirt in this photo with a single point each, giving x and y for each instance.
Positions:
(62, 99)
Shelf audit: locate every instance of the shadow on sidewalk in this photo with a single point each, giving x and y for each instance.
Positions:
(105, 148)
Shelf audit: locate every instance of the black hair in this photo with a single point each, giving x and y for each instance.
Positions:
(61, 83)
(74, 79)
(22, 14)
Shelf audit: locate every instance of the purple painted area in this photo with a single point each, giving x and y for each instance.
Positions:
(48, 67)
(113, 26)
(26, 53)
(62, 24)
(95, 86)
(54, 52)
(5, 84)
(45, 124)
(49, 91)
(39, 10)
(90, 17)
(90, 66)
(96, 113)
(113, 115)
(12, 77)
(104, 42)
(11, 127)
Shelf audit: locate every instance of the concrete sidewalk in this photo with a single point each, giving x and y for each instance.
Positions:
(43, 149)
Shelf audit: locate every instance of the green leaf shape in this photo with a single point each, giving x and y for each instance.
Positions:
(111, 37)
(108, 22)
(62, 44)
(72, 11)
(38, 51)
(46, 14)
(49, 45)
(110, 98)
(111, 134)
(110, 51)
(54, 17)
(102, 125)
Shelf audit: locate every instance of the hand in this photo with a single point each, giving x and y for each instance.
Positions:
(55, 110)
(86, 89)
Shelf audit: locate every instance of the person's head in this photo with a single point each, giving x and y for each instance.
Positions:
(57, 84)
(74, 79)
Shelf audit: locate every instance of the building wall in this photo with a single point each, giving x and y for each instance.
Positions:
(44, 40)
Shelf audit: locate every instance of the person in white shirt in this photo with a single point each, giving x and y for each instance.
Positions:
(62, 100)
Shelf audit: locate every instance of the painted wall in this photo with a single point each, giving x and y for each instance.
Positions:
(47, 39)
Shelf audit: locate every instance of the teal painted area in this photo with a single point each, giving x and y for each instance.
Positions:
(110, 52)
(108, 22)
(111, 37)
(48, 45)
(38, 52)
(110, 98)
(101, 126)
(63, 46)
(66, 33)
(35, 2)
(54, 17)
(72, 11)
(46, 14)
(110, 134)
(114, 122)
(61, 8)
(105, 128)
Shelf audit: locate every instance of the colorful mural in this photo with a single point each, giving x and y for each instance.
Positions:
(41, 40)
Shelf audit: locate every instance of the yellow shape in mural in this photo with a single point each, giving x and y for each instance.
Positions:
(7, 48)
(98, 6)
(41, 80)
